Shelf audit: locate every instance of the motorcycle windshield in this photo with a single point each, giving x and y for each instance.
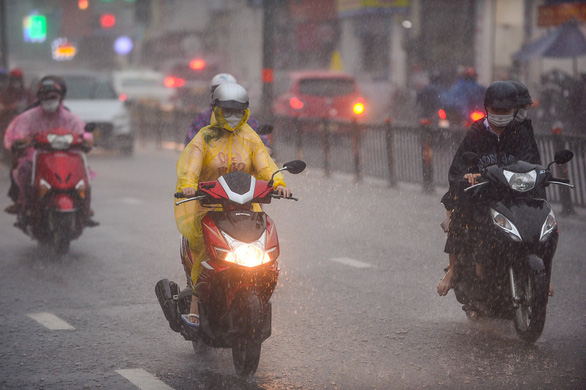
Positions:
(242, 225)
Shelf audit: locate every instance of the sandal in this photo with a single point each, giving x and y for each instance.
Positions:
(192, 325)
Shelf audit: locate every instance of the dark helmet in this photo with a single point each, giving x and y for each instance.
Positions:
(52, 84)
(230, 95)
(523, 97)
(501, 95)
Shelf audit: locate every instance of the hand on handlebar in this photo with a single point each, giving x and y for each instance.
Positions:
(472, 178)
(283, 191)
(188, 192)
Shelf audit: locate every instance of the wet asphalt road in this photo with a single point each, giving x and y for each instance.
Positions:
(335, 326)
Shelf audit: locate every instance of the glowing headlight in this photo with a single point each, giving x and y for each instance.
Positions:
(521, 182)
(60, 142)
(245, 254)
(548, 226)
(502, 222)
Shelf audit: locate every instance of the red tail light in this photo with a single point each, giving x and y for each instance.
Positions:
(122, 97)
(358, 106)
(295, 103)
(197, 64)
(442, 114)
(476, 115)
(174, 82)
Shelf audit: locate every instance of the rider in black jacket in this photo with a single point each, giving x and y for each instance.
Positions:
(495, 139)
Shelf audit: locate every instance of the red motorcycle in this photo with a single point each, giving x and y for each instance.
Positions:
(239, 273)
(61, 193)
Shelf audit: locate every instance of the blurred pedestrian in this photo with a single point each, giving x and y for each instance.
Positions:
(429, 98)
(16, 96)
(465, 96)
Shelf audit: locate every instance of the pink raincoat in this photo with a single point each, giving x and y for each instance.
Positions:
(27, 125)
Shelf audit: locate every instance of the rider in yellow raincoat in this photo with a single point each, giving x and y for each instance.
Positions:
(228, 144)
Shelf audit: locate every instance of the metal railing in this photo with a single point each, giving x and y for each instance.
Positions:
(415, 154)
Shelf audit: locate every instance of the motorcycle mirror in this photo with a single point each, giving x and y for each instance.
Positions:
(265, 129)
(470, 158)
(563, 156)
(295, 166)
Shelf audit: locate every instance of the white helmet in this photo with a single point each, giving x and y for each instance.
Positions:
(230, 95)
(221, 78)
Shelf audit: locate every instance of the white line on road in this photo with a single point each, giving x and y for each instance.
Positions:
(143, 380)
(132, 201)
(51, 321)
(351, 262)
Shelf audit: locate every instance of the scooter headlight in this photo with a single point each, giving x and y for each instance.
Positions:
(60, 142)
(549, 226)
(502, 222)
(247, 255)
(521, 182)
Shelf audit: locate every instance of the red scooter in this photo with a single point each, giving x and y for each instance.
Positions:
(239, 273)
(61, 193)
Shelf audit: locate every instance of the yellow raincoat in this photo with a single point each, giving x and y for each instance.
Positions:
(215, 150)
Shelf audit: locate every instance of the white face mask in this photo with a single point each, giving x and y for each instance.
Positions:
(500, 120)
(50, 106)
(233, 121)
(521, 114)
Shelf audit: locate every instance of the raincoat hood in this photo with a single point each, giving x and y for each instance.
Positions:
(221, 121)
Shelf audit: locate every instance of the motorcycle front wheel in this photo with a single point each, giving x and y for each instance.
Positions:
(246, 348)
(530, 314)
(63, 225)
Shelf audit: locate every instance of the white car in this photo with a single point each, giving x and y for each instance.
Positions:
(142, 86)
(93, 99)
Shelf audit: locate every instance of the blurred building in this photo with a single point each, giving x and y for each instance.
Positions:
(388, 45)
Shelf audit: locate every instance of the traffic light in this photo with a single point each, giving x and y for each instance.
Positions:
(107, 21)
(35, 28)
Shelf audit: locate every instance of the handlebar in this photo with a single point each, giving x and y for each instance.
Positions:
(559, 179)
(198, 196)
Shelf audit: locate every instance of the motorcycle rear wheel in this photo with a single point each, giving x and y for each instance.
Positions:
(529, 316)
(246, 348)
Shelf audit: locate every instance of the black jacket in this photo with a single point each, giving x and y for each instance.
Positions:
(516, 142)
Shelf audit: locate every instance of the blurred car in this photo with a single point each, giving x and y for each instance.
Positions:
(190, 79)
(142, 86)
(93, 99)
(321, 95)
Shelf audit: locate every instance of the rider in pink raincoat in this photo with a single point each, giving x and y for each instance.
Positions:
(48, 115)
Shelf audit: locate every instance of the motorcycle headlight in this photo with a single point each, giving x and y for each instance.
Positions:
(521, 182)
(548, 226)
(60, 142)
(247, 255)
(502, 222)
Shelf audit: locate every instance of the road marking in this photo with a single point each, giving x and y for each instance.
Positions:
(132, 201)
(143, 380)
(351, 262)
(51, 321)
